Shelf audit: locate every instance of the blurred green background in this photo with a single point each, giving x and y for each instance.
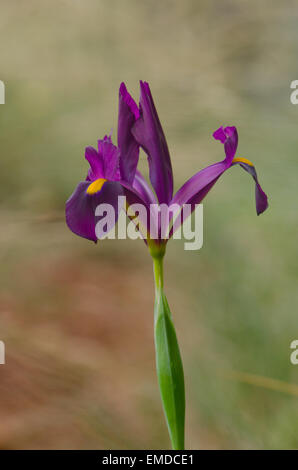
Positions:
(77, 319)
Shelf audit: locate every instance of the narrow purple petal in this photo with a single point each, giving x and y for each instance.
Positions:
(149, 134)
(198, 186)
(143, 188)
(129, 148)
(195, 186)
(261, 200)
(195, 189)
(147, 200)
(80, 207)
(129, 101)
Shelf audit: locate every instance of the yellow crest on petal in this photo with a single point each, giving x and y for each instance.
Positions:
(242, 160)
(96, 186)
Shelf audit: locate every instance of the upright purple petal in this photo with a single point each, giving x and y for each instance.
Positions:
(110, 155)
(220, 135)
(129, 148)
(96, 163)
(149, 134)
(229, 137)
(145, 197)
(143, 188)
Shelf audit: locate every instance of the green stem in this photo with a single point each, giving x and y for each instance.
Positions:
(158, 274)
(168, 361)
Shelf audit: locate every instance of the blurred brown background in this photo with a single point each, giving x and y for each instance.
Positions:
(77, 319)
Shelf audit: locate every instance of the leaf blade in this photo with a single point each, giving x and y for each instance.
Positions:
(169, 372)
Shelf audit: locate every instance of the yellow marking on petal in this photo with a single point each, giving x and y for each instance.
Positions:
(96, 186)
(242, 160)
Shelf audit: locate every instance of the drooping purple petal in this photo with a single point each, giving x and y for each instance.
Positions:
(149, 134)
(81, 206)
(128, 146)
(261, 196)
(198, 186)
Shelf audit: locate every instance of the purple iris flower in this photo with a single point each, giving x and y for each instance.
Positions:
(113, 172)
(113, 169)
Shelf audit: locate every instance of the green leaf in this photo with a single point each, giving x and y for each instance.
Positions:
(169, 371)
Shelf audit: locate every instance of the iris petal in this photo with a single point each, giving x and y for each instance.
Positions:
(149, 134)
(229, 137)
(96, 164)
(143, 188)
(194, 188)
(129, 148)
(144, 197)
(261, 197)
(198, 186)
(110, 155)
(220, 135)
(80, 207)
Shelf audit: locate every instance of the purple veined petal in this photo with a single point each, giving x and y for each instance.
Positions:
(143, 188)
(149, 134)
(261, 196)
(193, 202)
(128, 146)
(196, 188)
(192, 188)
(261, 200)
(110, 155)
(96, 169)
(129, 101)
(81, 206)
(220, 135)
(229, 137)
(134, 196)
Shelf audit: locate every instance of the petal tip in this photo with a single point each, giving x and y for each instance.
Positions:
(89, 151)
(229, 137)
(262, 207)
(128, 100)
(145, 86)
(219, 135)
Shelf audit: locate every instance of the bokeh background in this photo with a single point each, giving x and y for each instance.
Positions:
(77, 319)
